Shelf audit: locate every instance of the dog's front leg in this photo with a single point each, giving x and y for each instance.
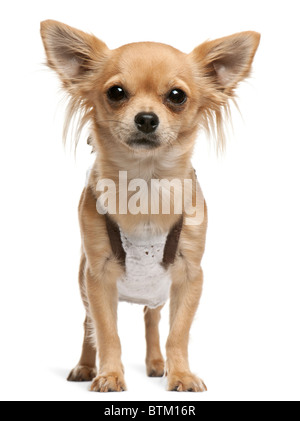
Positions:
(101, 275)
(103, 299)
(186, 289)
(185, 296)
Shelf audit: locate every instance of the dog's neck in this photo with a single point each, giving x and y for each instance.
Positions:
(172, 163)
(163, 163)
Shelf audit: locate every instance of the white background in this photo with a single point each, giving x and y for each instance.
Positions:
(245, 339)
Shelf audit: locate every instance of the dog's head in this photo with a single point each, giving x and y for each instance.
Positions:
(148, 96)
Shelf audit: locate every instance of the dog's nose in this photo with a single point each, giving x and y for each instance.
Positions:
(146, 122)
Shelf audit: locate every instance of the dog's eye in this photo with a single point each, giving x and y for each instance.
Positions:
(177, 97)
(116, 93)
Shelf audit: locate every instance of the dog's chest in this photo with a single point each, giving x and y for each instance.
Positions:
(146, 280)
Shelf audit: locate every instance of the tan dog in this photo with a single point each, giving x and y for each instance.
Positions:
(144, 103)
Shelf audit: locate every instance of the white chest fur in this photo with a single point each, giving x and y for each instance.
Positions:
(145, 281)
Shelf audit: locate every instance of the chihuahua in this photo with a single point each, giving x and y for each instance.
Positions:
(144, 104)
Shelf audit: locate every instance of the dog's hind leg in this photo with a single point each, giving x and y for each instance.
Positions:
(86, 368)
(155, 364)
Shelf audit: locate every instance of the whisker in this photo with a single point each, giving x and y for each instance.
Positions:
(113, 121)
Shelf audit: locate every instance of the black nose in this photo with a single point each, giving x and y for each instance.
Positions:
(146, 122)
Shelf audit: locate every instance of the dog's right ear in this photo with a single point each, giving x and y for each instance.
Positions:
(70, 52)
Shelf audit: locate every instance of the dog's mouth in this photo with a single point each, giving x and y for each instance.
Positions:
(144, 143)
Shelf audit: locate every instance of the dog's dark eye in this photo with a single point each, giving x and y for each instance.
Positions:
(177, 97)
(116, 93)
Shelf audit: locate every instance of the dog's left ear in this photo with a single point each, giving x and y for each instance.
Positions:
(227, 61)
(71, 52)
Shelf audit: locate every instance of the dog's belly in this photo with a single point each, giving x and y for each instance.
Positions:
(145, 280)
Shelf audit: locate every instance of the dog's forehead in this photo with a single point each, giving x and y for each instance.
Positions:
(150, 60)
(148, 48)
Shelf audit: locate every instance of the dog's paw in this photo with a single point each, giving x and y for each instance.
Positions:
(82, 373)
(155, 368)
(110, 382)
(185, 382)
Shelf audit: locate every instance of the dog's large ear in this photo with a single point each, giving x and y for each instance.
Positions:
(219, 66)
(70, 52)
(227, 61)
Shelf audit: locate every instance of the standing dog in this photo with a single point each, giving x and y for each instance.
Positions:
(144, 103)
